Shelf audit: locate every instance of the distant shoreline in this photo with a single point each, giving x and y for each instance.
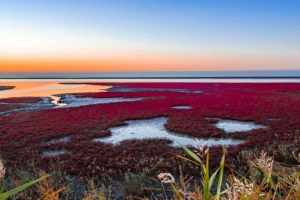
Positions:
(6, 87)
(228, 77)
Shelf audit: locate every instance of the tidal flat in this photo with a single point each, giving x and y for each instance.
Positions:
(111, 133)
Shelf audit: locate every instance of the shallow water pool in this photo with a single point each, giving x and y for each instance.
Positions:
(154, 128)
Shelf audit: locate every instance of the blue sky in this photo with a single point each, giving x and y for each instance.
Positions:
(242, 34)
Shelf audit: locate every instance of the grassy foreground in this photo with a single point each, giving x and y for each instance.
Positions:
(265, 180)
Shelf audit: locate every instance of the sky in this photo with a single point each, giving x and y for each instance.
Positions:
(125, 35)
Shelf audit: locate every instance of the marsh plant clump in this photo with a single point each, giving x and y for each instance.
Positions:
(275, 183)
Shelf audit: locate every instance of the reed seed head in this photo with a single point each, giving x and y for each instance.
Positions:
(264, 162)
(166, 178)
(241, 189)
(201, 149)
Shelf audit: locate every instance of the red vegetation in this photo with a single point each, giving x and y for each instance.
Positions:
(21, 100)
(22, 134)
(7, 107)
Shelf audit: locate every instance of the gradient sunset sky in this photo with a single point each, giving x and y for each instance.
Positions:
(98, 35)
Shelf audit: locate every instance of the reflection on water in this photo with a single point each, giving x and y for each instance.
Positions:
(154, 128)
(44, 88)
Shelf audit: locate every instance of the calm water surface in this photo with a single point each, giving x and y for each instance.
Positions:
(45, 88)
(50, 87)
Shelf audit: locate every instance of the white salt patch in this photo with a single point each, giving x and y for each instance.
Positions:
(154, 128)
(70, 100)
(53, 153)
(122, 89)
(230, 126)
(273, 119)
(182, 107)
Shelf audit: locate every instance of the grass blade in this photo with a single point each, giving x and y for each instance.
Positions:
(20, 188)
(192, 154)
(212, 178)
(222, 164)
(206, 178)
(189, 160)
(176, 192)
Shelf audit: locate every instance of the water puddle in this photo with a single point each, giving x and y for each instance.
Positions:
(70, 100)
(54, 153)
(56, 140)
(154, 128)
(230, 126)
(182, 107)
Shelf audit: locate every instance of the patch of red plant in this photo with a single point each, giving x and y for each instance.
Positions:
(21, 100)
(8, 107)
(21, 133)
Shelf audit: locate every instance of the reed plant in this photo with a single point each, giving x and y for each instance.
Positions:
(277, 182)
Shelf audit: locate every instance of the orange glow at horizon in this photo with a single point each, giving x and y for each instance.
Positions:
(143, 64)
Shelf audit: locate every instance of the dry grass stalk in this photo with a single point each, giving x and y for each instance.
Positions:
(297, 157)
(95, 193)
(2, 170)
(185, 185)
(47, 190)
(197, 194)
